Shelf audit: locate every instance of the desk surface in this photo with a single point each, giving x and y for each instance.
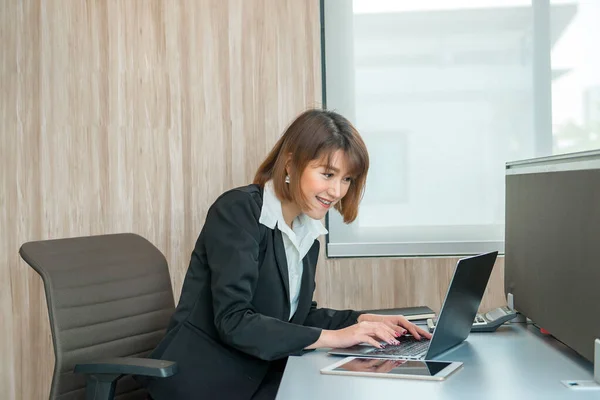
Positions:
(516, 361)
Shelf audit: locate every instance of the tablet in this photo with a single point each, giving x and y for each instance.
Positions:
(387, 368)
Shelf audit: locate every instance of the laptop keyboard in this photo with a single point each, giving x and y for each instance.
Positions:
(408, 347)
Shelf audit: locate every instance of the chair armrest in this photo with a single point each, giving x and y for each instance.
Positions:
(129, 366)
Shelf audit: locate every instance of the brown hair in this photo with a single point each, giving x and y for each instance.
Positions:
(314, 135)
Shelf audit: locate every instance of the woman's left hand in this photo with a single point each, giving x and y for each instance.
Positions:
(399, 323)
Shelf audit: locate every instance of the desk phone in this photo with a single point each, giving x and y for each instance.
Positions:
(484, 322)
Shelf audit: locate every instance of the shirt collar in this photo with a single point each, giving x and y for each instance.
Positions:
(271, 215)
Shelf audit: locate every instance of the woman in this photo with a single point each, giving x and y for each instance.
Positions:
(246, 302)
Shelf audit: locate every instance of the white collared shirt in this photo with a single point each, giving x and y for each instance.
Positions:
(297, 241)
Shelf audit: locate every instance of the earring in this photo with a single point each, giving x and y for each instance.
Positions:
(287, 179)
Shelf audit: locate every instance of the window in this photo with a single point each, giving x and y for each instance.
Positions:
(576, 77)
(445, 94)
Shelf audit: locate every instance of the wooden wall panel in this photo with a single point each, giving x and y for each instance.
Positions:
(133, 116)
(370, 283)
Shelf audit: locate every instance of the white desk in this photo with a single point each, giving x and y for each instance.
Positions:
(515, 362)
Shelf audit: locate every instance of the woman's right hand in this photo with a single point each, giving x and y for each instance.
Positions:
(362, 332)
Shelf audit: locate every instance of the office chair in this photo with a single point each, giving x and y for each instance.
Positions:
(109, 302)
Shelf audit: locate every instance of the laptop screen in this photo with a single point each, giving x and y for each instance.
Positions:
(462, 302)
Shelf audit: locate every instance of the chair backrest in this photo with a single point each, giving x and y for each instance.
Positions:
(108, 296)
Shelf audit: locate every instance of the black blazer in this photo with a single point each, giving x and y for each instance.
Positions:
(231, 322)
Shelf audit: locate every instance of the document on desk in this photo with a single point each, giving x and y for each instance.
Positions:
(410, 313)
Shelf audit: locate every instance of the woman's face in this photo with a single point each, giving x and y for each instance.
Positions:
(323, 187)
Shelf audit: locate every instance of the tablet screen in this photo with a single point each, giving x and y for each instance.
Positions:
(394, 367)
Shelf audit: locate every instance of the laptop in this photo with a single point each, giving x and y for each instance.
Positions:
(455, 320)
